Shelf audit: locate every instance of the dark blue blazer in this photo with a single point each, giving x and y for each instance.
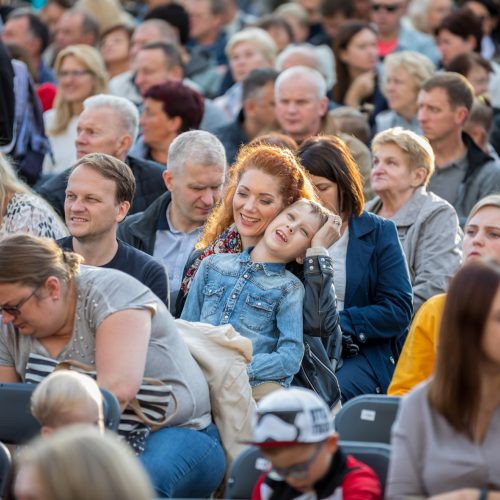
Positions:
(378, 298)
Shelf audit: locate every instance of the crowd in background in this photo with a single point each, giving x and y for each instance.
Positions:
(322, 175)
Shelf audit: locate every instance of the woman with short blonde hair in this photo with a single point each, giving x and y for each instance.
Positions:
(428, 226)
(404, 74)
(81, 73)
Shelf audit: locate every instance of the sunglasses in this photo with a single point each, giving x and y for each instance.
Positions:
(387, 7)
(299, 471)
(16, 310)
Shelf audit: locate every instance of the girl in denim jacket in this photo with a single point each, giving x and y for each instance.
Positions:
(256, 294)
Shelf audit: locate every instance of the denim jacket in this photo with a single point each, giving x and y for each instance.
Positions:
(262, 301)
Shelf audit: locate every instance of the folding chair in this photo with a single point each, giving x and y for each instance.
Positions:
(367, 418)
(5, 467)
(375, 455)
(17, 424)
(244, 473)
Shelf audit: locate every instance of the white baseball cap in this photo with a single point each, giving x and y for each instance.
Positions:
(291, 416)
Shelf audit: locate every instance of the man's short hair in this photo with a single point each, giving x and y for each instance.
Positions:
(124, 109)
(196, 147)
(37, 28)
(89, 23)
(255, 80)
(166, 32)
(170, 51)
(113, 169)
(314, 76)
(458, 89)
(331, 8)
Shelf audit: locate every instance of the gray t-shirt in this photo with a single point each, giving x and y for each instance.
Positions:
(429, 457)
(100, 293)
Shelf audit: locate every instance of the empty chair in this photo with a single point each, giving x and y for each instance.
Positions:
(244, 473)
(17, 424)
(5, 467)
(375, 455)
(367, 418)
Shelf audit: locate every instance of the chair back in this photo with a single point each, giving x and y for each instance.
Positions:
(5, 469)
(18, 425)
(244, 473)
(375, 455)
(367, 418)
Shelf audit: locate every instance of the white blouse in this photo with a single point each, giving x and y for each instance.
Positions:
(338, 253)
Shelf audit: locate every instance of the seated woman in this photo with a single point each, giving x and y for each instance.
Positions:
(428, 226)
(23, 211)
(115, 49)
(446, 437)
(416, 363)
(475, 68)
(259, 297)
(356, 59)
(371, 277)
(81, 73)
(55, 310)
(404, 74)
(170, 109)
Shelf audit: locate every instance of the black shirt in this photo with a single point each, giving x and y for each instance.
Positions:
(138, 264)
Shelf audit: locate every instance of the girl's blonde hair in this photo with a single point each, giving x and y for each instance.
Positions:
(9, 181)
(63, 392)
(271, 160)
(81, 463)
(93, 62)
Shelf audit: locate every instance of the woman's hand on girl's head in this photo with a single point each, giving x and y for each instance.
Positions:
(329, 233)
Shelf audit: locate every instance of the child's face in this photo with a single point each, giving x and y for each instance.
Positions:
(303, 465)
(289, 235)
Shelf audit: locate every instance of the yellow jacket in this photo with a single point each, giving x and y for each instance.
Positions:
(416, 362)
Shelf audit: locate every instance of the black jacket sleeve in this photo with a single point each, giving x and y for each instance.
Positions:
(7, 99)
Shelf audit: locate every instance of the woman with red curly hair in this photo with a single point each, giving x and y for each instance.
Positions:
(264, 180)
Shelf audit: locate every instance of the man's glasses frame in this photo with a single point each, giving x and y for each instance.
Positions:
(16, 310)
(390, 7)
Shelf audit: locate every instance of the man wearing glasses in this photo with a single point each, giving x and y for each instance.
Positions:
(294, 431)
(394, 35)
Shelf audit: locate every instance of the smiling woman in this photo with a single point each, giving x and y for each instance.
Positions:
(81, 74)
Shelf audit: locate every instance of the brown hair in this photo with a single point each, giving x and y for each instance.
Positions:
(113, 169)
(346, 33)
(458, 89)
(30, 260)
(328, 156)
(272, 160)
(276, 139)
(455, 390)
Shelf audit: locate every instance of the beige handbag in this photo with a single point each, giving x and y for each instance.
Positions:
(223, 355)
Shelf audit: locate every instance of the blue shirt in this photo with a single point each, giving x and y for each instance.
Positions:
(262, 301)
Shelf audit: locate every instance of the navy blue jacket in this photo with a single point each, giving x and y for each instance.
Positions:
(378, 297)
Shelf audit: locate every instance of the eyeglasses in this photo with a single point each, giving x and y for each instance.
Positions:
(75, 73)
(387, 7)
(299, 471)
(16, 310)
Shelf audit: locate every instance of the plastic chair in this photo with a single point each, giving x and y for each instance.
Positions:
(17, 424)
(5, 467)
(375, 455)
(367, 418)
(244, 473)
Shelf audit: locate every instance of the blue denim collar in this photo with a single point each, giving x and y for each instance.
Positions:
(269, 268)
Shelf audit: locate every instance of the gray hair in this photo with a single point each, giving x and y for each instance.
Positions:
(296, 72)
(306, 52)
(124, 109)
(165, 31)
(195, 146)
(259, 38)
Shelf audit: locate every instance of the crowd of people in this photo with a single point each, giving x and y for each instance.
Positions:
(321, 175)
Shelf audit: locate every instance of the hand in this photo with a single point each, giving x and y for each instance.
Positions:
(361, 87)
(329, 233)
